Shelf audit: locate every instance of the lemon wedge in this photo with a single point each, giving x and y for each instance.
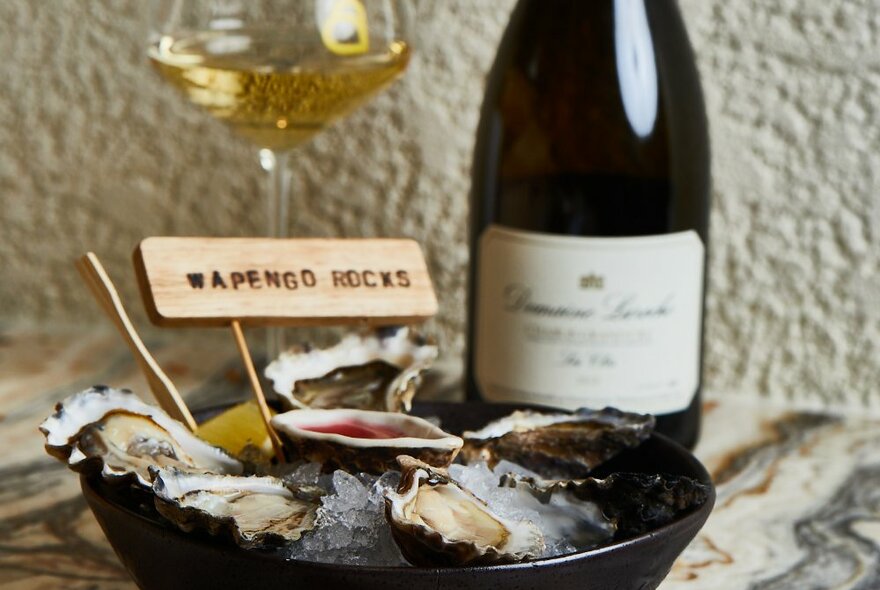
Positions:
(236, 428)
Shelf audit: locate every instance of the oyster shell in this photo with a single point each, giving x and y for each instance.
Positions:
(363, 440)
(113, 431)
(558, 446)
(435, 522)
(634, 503)
(581, 523)
(256, 511)
(372, 371)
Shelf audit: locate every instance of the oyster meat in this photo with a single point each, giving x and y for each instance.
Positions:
(363, 440)
(113, 431)
(379, 370)
(256, 511)
(557, 446)
(634, 503)
(437, 522)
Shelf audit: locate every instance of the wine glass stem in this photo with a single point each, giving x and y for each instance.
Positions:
(278, 191)
(277, 215)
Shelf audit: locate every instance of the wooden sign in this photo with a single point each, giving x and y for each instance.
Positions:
(276, 282)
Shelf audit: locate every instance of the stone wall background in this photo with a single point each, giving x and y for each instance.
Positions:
(96, 153)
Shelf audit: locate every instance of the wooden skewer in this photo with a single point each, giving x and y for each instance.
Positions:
(258, 389)
(163, 389)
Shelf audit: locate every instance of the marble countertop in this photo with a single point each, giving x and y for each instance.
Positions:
(798, 492)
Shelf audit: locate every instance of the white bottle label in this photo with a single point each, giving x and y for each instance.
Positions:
(573, 322)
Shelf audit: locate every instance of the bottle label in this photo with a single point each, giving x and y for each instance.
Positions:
(574, 322)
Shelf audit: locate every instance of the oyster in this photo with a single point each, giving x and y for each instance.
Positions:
(113, 431)
(363, 440)
(437, 522)
(257, 511)
(559, 446)
(634, 503)
(375, 371)
(562, 516)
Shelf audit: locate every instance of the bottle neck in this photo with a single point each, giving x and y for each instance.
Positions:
(581, 91)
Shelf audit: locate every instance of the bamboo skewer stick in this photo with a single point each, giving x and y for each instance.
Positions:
(163, 389)
(258, 389)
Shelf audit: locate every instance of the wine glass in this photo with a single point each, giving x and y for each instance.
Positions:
(279, 71)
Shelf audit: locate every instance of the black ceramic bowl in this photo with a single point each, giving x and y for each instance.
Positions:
(161, 557)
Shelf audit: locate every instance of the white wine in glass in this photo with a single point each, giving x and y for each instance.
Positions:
(279, 71)
(276, 93)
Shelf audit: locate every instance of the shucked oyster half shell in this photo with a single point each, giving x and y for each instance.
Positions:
(256, 511)
(363, 440)
(113, 431)
(437, 522)
(561, 445)
(370, 371)
(634, 503)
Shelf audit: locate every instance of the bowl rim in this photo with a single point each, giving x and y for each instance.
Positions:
(694, 519)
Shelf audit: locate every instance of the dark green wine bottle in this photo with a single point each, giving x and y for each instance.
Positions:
(589, 214)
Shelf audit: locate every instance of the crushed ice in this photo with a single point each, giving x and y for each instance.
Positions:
(352, 530)
(351, 527)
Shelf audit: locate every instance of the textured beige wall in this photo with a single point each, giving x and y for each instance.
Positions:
(96, 152)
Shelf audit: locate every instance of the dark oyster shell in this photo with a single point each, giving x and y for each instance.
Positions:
(558, 446)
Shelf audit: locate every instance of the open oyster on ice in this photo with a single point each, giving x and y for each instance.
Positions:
(113, 431)
(437, 522)
(568, 524)
(256, 511)
(633, 503)
(378, 370)
(363, 440)
(558, 445)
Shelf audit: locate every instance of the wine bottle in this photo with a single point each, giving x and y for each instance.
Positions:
(589, 214)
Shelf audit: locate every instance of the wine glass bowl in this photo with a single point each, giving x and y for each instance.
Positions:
(276, 87)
